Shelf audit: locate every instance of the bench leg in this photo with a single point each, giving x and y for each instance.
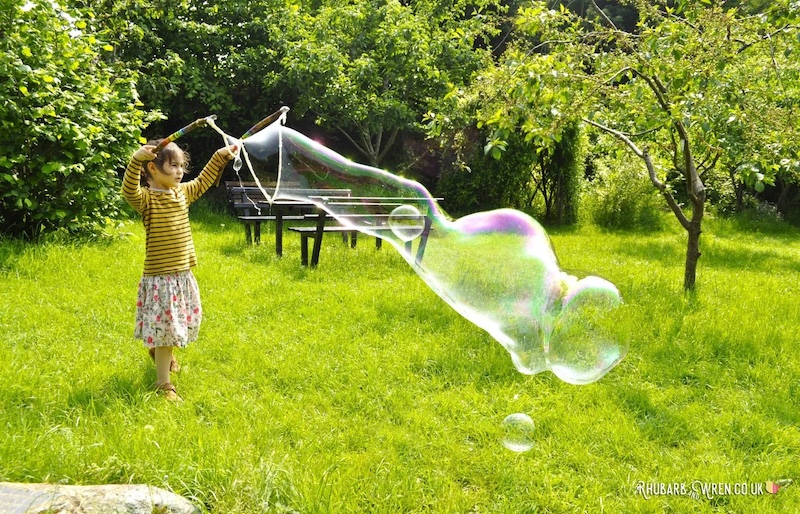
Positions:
(257, 234)
(248, 236)
(378, 242)
(317, 248)
(423, 240)
(353, 238)
(279, 234)
(304, 249)
(318, 240)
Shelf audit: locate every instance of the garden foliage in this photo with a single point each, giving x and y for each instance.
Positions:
(543, 180)
(68, 121)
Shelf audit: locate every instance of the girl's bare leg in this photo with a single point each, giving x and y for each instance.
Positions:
(163, 361)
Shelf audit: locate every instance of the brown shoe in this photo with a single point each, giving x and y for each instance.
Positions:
(169, 392)
(173, 366)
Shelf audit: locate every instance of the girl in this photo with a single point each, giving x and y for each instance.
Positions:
(168, 311)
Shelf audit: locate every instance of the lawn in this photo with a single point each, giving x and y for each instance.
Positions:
(354, 388)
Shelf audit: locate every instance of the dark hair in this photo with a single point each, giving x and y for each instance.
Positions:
(166, 154)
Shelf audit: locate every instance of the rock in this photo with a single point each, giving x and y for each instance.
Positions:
(18, 498)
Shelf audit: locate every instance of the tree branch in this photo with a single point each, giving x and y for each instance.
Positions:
(651, 170)
(622, 137)
(603, 15)
(644, 132)
(358, 147)
(694, 186)
(765, 37)
(705, 165)
(389, 143)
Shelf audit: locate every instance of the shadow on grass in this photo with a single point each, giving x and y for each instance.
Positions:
(764, 260)
(740, 258)
(10, 252)
(130, 389)
(656, 422)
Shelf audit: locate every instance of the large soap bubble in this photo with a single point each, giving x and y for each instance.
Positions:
(497, 268)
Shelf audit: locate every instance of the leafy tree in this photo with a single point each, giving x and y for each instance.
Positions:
(668, 91)
(364, 69)
(196, 59)
(68, 121)
(369, 68)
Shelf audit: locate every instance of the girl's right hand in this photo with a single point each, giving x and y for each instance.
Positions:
(228, 152)
(145, 153)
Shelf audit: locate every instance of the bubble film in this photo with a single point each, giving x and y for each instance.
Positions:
(518, 431)
(497, 268)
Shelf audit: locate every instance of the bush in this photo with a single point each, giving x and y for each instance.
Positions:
(69, 121)
(543, 182)
(621, 196)
(483, 183)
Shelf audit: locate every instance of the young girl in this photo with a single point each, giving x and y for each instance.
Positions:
(168, 311)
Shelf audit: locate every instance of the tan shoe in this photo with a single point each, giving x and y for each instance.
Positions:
(169, 392)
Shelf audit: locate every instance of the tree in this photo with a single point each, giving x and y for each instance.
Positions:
(664, 91)
(198, 58)
(68, 121)
(369, 68)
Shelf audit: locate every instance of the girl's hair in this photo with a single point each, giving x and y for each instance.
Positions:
(167, 154)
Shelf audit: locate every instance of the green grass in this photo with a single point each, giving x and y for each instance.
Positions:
(353, 388)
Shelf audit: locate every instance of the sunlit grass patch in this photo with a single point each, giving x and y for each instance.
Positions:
(353, 388)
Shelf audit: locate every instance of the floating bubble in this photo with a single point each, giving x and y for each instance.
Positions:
(407, 222)
(496, 268)
(518, 432)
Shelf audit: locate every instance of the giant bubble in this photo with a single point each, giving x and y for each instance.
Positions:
(498, 268)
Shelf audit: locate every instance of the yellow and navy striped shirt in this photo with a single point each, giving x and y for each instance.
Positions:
(169, 247)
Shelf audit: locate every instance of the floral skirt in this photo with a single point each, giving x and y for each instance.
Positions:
(168, 311)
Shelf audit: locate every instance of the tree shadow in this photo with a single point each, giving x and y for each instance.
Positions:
(130, 389)
(755, 260)
(651, 251)
(712, 257)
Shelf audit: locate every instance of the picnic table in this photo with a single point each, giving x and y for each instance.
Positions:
(252, 208)
(376, 222)
(353, 214)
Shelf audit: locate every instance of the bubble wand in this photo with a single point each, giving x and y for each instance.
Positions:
(200, 122)
(266, 121)
(237, 163)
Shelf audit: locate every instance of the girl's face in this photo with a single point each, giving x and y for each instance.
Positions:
(169, 174)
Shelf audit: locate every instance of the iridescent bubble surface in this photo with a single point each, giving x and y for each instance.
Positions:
(496, 268)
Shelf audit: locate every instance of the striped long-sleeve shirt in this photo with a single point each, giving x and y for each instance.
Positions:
(169, 247)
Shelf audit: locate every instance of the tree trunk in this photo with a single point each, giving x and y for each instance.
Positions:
(692, 251)
(738, 190)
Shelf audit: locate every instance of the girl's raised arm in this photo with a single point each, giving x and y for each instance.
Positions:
(131, 188)
(194, 189)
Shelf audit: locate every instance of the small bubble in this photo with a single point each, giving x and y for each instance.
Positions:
(406, 222)
(518, 432)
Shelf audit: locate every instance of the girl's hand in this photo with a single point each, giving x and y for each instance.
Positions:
(228, 152)
(145, 153)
